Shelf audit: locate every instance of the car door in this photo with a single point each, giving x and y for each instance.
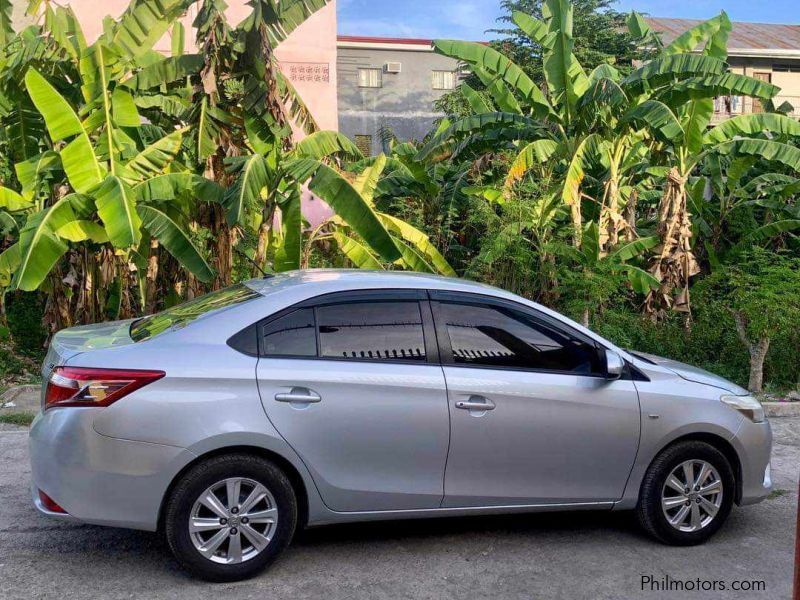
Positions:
(534, 420)
(352, 381)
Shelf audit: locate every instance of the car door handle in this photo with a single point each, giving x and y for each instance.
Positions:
(476, 404)
(299, 395)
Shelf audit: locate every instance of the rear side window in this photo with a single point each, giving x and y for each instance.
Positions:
(371, 331)
(290, 335)
(183, 314)
(495, 336)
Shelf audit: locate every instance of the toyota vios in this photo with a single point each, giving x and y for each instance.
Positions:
(319, 397)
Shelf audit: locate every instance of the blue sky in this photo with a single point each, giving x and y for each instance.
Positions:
(468, 19)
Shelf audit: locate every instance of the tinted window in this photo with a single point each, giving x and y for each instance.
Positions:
(371, 331)
(290, 335)
(183, 314)
(499, 337)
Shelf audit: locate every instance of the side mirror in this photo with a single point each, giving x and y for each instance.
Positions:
(615, 365)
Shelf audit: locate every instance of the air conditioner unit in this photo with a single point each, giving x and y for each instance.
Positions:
(393, 67)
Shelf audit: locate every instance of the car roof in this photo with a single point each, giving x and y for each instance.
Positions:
(332, 280)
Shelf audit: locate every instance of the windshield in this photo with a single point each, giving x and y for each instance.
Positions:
(183, 314)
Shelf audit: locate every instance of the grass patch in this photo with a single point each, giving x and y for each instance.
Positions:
(777, 494)
(23, 419)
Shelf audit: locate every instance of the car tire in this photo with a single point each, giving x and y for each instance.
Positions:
(184, 507)
(661, 505)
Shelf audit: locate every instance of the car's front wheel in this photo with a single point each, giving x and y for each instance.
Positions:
(687, 494)
(230, 516)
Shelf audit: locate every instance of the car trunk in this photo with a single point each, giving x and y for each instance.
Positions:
(68, 343)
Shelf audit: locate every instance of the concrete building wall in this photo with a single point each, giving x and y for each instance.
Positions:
(405, 101)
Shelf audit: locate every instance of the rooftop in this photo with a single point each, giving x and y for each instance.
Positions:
(746, 39)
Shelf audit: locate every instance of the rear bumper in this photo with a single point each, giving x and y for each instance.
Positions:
(99, 479)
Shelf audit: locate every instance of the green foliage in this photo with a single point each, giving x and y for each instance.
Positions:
(24, 312)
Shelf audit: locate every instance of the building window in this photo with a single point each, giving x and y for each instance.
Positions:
(369, 78)
(444, 80)
(364, 143)
(786, 68)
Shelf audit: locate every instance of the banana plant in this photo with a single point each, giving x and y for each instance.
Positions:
(110, 197)
(416, 252)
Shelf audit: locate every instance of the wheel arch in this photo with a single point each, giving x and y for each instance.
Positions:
(295, 478)
(718, 442)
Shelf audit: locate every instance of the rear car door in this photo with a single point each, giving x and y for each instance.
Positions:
(352, 382)
(534, 420)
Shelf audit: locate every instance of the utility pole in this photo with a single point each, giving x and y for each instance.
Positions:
(797, 551)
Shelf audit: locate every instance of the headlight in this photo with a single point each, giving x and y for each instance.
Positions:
(747, 405)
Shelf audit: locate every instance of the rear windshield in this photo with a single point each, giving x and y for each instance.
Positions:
(183, 314)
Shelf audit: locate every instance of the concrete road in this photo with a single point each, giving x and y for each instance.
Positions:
(570, 556)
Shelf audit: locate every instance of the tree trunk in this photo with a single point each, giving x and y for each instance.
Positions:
(585, 318)
(151, 293)
(675, 262)
(758, 353)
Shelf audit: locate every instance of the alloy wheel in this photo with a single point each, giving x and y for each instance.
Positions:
(233, 520)
(692, 495)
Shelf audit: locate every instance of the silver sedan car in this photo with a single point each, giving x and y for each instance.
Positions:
(330, 396)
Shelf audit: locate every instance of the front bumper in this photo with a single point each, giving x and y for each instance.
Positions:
(753, 444)
(99, 479)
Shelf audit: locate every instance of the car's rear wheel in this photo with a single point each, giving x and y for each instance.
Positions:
(687, 494)
(230, 516)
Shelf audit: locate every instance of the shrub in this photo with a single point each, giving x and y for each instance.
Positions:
(24, 312)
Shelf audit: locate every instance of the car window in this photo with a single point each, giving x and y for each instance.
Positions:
(183, 314)
(371, 331)
(291, 335)
(496, 336)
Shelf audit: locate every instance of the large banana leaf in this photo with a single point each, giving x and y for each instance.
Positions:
(323, 144)
(169, 70)
(176, 240)
(411, 258)
(420, 242)
(172, 185)
(356, 252)
(473, 124)
(367, 182)
(698, 115)
(670, 68)
(12, 201)
(657, 117)
(565, 76)
(765, 149)
(498, 90)
(81, 165)
(281, 18)
(246, 191)
(145, 22)
(61, 120)
(535, 29)
(6, 24)
(9, 262)
(28, 171)
(116, 206)
(287, 255)
(39, 246)
(498, 65)
(727, 84)
(766, 232)
(701, 33)
(345, 201)
(476, 102)
(154, 159)
(535, 153)
(81, 230)
(751, 124)
(634, 248)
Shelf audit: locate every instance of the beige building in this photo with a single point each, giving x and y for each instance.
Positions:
(764, 51)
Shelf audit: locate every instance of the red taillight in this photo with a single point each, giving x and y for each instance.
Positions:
(80, 386)
(49, 504)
